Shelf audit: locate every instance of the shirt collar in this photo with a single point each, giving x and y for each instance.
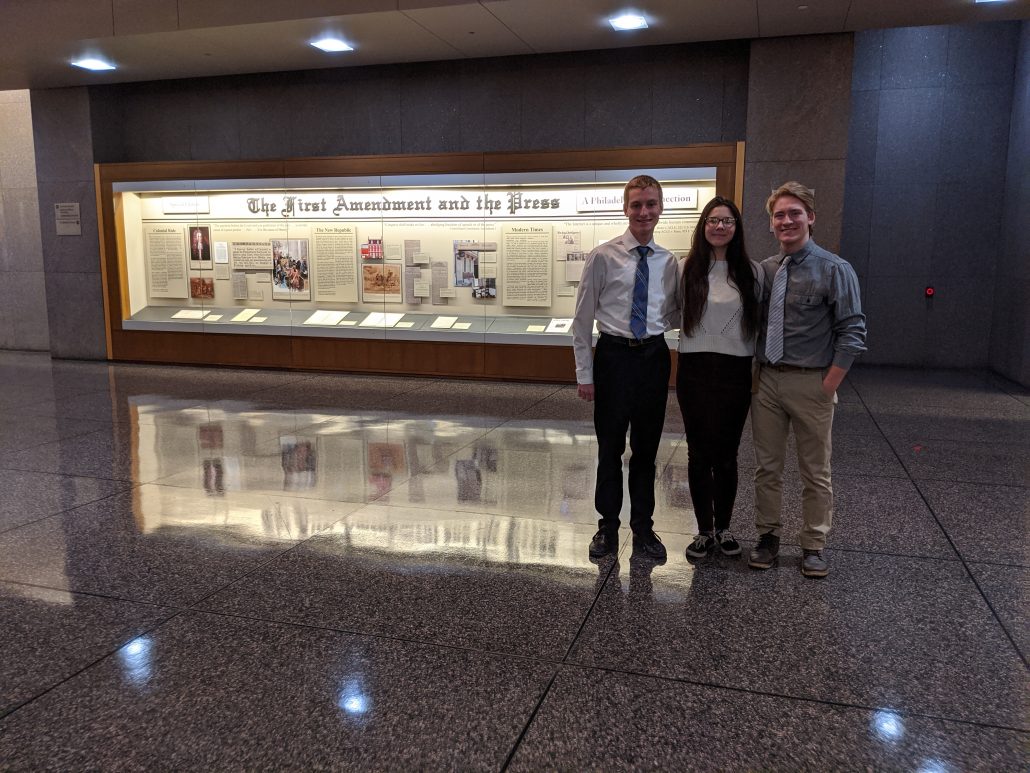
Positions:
(800, 255)
(631, 242)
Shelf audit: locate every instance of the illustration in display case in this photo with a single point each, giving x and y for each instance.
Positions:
(439, 258)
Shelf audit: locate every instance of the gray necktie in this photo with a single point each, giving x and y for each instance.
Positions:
(774, 333)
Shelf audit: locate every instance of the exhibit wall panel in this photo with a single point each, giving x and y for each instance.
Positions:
(451, 264)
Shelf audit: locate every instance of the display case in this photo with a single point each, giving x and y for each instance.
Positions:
(462, 265)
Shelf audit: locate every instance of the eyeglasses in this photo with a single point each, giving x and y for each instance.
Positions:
(726, 221)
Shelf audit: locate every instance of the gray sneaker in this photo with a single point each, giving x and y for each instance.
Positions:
(765, 552)
(813, 564)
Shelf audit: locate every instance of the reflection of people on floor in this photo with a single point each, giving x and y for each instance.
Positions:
(470, 480)
(213, 474)
(640, 567)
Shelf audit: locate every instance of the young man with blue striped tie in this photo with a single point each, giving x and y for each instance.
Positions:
(629, 287)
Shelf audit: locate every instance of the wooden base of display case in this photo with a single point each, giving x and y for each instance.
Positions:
(513, 362)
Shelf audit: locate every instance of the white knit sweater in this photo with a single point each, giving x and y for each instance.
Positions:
(719, 329)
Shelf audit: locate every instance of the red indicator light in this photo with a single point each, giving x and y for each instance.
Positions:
(929, 292)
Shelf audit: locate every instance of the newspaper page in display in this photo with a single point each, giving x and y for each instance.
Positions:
(439, 282)
(336, 277)
(166, 262)
(527, 265)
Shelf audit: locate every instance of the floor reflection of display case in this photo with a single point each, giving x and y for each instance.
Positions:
(456, 265)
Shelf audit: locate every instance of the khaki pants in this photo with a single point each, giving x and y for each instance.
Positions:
(793, 398)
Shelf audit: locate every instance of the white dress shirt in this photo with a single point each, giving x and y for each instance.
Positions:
(606, 294)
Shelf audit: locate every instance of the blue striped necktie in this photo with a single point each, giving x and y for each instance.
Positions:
(774, 332)
(638, 312)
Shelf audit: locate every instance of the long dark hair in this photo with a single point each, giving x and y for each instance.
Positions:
(739, 271)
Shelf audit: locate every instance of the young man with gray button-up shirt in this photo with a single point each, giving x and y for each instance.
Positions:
(813, 329)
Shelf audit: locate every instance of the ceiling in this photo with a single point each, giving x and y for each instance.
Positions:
(159, 39)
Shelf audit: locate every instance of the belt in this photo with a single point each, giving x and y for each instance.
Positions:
(632, 341)
(784, 368)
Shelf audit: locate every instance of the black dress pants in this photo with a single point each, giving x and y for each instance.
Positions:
(714, 393)
(631, 387)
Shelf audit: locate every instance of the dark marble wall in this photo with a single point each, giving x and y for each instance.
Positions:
(799, 101)
(926, 170)
(660, 95)
(1010, 330)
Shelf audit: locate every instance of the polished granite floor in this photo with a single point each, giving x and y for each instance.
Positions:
(211, 569)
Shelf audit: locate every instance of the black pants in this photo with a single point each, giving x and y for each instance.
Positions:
(631, 387)
(714, 393)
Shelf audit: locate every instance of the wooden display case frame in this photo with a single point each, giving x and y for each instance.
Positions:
(461, 359)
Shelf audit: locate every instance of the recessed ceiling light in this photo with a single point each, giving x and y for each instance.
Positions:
(93, 64)
(628, 21)
(332, 45)
(990, 1)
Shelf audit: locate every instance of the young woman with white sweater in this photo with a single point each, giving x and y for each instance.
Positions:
(720, 294)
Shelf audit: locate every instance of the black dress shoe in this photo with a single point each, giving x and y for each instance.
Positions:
(603, 543)
(650, 545)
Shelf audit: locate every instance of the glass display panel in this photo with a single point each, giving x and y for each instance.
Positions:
(447, 257)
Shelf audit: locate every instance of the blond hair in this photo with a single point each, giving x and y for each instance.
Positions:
(793, 188)
(641, 181)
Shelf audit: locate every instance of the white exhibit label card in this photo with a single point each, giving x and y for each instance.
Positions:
(559, 326)
(444, 323)
(221, 252)
(189, 314)
(325, 318)
(421, 258)
(536, 328)
(67, 220)
(420, 288)
(259, 319)
(245, 315)
(568, 291)
(461, 326)
(212, 317)
(185, 205)
(251, 256)
(348, 322)
(610, 199)
(221, 271)
(448, 292)
(405, 324)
